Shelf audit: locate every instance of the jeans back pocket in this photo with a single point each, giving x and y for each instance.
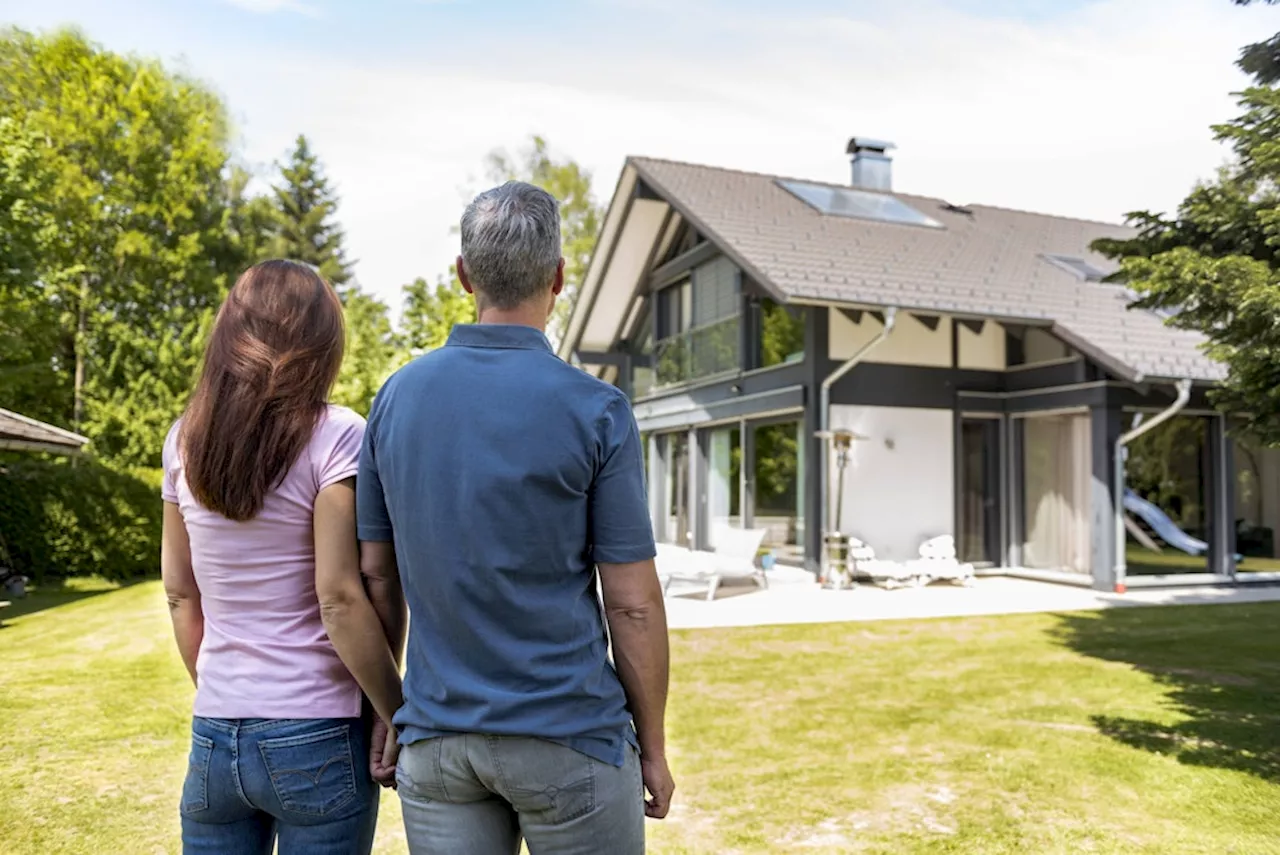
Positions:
(195, 789)
(312, 773)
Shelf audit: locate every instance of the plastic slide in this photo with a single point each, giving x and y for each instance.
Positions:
(1162, 525)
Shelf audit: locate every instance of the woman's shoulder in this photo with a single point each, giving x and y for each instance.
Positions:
(339, 426)
(341, 419)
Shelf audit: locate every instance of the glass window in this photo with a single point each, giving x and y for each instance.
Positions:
(1257, 504)
(1168, 501)
(1076, 266)
(861, 204)
(777, 485)
(699, 333)
(781, 334)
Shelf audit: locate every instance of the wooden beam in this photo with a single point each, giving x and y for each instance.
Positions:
(930, 322)
(614, 358)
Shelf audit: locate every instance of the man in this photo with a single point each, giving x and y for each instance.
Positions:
(508, 482)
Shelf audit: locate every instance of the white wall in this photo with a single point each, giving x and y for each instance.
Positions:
(894, 498)
(910, 343)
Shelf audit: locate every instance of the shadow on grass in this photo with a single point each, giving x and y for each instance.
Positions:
(50, 596)
(1220, 668)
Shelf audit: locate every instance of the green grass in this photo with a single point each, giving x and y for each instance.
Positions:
(1143, 562)
(1127, 731)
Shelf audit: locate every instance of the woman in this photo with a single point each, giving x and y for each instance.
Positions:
(262, 570)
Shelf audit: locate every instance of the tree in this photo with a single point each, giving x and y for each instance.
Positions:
(306, 230)
(580, 215)
(28, 324)
(1261, 60)
(1214, 267)
(372, 351)
(431, 311)
(134, 157)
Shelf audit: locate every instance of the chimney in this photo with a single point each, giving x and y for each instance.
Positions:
(872, 166)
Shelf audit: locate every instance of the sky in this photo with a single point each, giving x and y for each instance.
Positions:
(1087, 108)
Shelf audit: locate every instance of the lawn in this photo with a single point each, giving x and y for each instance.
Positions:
(1131, 730)
(1143, 562)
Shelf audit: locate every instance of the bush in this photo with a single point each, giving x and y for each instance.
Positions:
(63, 518)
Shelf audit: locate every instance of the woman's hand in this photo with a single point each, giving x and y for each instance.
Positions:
(384, 753)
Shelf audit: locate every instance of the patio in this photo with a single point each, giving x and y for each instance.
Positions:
(743, 604)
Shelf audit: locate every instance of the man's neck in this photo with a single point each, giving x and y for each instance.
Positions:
(523, 316)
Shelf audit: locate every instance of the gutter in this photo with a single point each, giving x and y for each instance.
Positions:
(824, 412)
(1184, 395)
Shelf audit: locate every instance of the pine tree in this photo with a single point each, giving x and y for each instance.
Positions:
(307, 206)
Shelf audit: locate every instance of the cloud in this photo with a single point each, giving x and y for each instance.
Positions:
(269, 7)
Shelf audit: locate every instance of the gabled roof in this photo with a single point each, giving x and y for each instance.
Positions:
(984, 262)
(20, 433)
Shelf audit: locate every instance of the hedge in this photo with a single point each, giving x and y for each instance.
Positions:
(62, 518)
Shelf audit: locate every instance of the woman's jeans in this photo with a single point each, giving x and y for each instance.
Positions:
(303, 782)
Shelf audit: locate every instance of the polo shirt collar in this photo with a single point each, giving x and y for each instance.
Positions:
(499, 336)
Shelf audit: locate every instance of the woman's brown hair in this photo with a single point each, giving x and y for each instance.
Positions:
(272, 358)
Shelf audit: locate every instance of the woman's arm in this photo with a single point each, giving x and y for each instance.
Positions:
(353, 625)
(180, 587)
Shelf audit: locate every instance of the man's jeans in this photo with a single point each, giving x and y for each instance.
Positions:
(478, 795)
(305, 781)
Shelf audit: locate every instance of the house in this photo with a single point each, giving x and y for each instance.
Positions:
(19, 433)
(998, 389)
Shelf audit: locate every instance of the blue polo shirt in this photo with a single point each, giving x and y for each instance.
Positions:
(503, 475)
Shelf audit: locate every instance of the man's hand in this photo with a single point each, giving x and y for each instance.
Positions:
(659, 783)
(384, 752)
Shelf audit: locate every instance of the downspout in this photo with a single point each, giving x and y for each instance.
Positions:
(824, 417)
(1184, 395)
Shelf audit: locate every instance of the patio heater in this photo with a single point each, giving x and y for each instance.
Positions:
(836, 571)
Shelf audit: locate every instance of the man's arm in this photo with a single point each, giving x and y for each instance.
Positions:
(638, 624)
(622, 545)
(382, 581)
(180, 587)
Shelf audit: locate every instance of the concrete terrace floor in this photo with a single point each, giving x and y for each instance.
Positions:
(742, 604)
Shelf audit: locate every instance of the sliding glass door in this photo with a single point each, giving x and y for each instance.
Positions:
(776, 487)
(675, 523)
(724, 480)
(979, 535)
(1056, 492)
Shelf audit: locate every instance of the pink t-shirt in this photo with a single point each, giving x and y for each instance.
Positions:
(265, 653)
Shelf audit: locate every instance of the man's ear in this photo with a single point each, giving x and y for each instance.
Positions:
(557, 284)
(462, 275)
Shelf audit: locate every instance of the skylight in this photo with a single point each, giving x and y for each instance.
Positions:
(861, 204)
(1080, 268)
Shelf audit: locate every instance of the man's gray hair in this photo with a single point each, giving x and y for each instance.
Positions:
(511, 243)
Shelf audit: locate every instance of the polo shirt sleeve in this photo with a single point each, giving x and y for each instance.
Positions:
(373, 523)
(621, 532)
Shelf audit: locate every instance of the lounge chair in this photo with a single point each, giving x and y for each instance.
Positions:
(887, 574)
(938, 563)
(734, 558)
